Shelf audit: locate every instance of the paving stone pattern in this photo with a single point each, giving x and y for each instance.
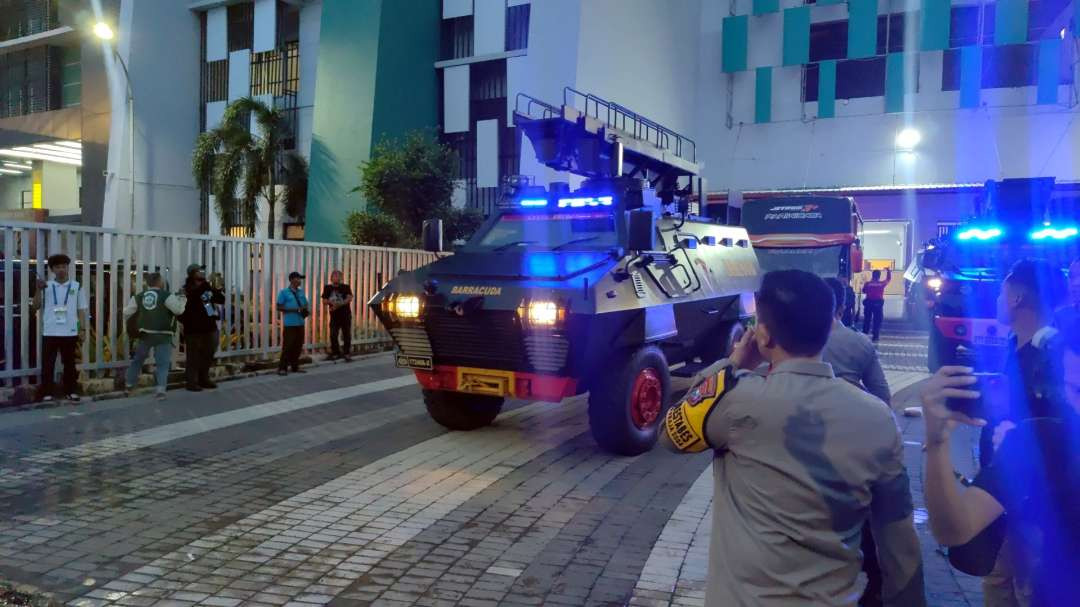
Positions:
(315, 489)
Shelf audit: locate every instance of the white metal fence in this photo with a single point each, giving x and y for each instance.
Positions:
(111, 263)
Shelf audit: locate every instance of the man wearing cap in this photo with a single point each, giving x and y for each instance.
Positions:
(200, 319)
(295, 308)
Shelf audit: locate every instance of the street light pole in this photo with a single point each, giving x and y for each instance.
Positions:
(131, 134)
(105, 33)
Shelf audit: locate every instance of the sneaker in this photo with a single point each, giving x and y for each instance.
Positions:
(299, 370)
(74, 398)
(46, 399)
(159, 396)
(194, 388)
(282, 372)
(209, 385)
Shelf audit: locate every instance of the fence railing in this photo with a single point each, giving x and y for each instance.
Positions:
(111, 264)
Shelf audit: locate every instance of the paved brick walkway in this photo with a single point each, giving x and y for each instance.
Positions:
(335, 487)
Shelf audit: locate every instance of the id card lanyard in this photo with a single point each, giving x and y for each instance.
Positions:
(60, 310)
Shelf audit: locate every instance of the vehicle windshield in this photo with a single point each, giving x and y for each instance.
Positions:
(823, 261)
(581, 230)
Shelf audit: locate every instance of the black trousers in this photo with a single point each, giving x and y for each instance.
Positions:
(872, 568)
(872, 314)
(292, 343)
(199, 348)
(65, 347)
(344, 326)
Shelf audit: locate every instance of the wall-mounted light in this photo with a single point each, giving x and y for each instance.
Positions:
(908, 139)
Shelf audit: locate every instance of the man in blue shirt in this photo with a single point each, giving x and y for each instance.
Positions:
(294, 308)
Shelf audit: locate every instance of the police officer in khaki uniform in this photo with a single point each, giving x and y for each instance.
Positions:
(802, 460)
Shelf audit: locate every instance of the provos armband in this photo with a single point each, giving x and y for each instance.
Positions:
(685, 422)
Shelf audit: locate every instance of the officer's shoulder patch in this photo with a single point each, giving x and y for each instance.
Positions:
(685, 422)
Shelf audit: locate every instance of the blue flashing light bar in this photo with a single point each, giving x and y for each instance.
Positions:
(988, 233)
(587, 201)
(534, 202)
(1054, 233)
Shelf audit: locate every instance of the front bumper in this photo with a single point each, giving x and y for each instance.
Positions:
(497, 382)
(977, 332)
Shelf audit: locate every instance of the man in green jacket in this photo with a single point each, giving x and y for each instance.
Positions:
(155, 310)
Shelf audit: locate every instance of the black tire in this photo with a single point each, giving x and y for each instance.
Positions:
(611, 410)
(460, 411)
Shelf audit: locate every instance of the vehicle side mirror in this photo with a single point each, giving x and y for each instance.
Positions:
(432, 235)
(641, 231)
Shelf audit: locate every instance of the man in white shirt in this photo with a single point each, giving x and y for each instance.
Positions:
(62, 303)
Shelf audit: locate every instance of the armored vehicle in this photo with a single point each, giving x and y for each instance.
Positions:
(602, 289)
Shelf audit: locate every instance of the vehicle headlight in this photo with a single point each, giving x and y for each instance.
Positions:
(543, 313)
(407, 306)
(934, 283)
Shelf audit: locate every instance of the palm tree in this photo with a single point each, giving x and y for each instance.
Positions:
(230, 158)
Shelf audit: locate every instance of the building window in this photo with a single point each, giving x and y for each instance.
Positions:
(966, 22)
(215, 80)
(70, 76)
(517, 27)
(20, 18)
(288, 23)
(457, 38)
(30, 81)
(276, 72)
(1009, 66)
(241, 26)
(855, 78)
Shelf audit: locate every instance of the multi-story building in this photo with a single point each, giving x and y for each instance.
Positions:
(345, 72)
(65, 123)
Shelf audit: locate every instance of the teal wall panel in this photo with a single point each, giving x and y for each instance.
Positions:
(970, 76)
(406, 83)
(797, 35)
(936, 20)
(1049, 70)
(734, 32)
(862, 28)
(764, 7)
(1010, 22)
(376, 79)
(343, 113)
(763, 95)
(894, 82)
(826, 103)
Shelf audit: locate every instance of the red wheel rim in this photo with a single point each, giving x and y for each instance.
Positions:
(646, 398)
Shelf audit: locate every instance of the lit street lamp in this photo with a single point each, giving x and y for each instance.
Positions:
(105, 34)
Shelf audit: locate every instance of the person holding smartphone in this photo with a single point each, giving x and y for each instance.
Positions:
(295, 308)
(1033, 478)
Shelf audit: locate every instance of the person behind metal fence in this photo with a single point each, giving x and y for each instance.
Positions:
(154, 311)
(874, 302)
(294, 308)
(802, 460)
(200, 327)
(1030, 489)
(63, 304)
(338, 297)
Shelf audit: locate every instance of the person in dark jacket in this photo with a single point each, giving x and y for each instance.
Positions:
(200, 320)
